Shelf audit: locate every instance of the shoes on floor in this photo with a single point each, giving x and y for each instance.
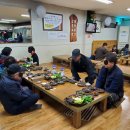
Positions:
(36, 107)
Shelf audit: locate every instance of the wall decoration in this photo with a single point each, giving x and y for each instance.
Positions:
(57, 35)
(123, 37)
(53, 22)
(73, 28)
(98, 26)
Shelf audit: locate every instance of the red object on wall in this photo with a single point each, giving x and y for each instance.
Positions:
(73, 28)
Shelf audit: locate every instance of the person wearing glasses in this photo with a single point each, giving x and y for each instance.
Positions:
(110, 79)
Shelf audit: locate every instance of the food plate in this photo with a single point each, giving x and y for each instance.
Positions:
(61, 82)
(72, 81)
(100, 90)
(47, 86)
(36, 68)
(79, 101)
(81, 84)
(53, 83)
(95, 93)
(47, 77)
(46, 69)
(86, 90)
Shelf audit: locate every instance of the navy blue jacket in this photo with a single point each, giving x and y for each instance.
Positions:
(111, 80)
(85, 65)
(11, 93)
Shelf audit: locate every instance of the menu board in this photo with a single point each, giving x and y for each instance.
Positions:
(53, 22)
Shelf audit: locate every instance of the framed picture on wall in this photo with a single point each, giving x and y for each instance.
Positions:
(53, 22)
(98, 26)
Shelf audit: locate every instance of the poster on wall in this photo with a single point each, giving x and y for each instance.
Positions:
(124, 34)
(53, 22)
(73, 28)
(57, 35)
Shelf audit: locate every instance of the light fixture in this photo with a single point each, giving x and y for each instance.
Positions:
(105, 1)
(4, 21)
(8, 20)
(128, 9)
(25, 15)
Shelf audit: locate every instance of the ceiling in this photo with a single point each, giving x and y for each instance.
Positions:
(9, 12)
(118, 8)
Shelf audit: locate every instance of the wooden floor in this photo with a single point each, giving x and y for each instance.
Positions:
(51, 117)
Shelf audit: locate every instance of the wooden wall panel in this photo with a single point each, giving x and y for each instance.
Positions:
(99, 43)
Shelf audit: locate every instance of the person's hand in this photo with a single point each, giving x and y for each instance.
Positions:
(81, 80)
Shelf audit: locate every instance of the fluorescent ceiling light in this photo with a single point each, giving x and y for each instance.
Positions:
(128, 9)
(4, 22)
(25, 15)
(8, 20)
(105, 1)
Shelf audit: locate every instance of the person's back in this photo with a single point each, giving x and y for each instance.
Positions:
(83, 64)
(101, 52)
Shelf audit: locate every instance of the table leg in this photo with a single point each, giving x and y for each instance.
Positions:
(54, 60)
(103, 105)
(77, 119)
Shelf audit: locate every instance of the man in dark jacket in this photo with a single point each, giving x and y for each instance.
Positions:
(5, 53)
(81, 63)
(13, 96)
(101, 52)
(7, 62)
(125, 50)
(111, 79)
(34, 56)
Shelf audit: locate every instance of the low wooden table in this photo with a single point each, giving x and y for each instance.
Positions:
(62, 59)
(62, 91)
(66, 59)
(125, 69)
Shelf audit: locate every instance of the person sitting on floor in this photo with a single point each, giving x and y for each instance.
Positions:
(125, 49)
(4, 54)
(7, 62)
(81, 63)
(34, 56)
(101, 52)
(110, 79)
(114, 49)
(13, 97)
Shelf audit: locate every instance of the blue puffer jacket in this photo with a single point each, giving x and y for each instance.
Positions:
(2, 70)
(11, 93)
(111, 80)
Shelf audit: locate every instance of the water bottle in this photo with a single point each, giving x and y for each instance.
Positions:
(62, 72)
(53, 69)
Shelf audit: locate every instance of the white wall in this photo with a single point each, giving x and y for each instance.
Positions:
(106, 34)
(47, 48)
